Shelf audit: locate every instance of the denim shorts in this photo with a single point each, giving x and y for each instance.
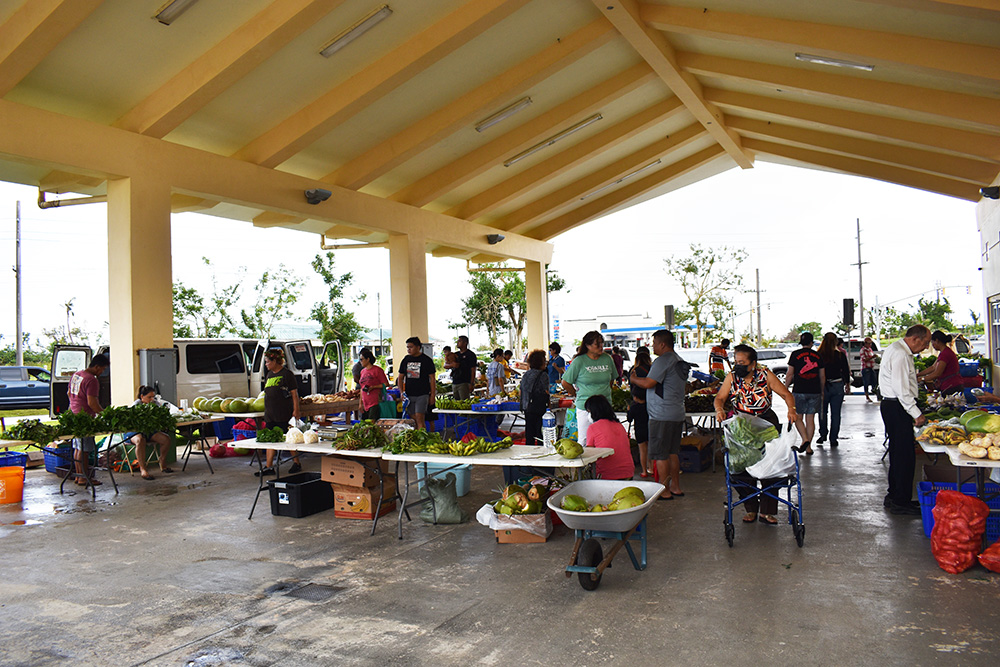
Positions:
(807, 404)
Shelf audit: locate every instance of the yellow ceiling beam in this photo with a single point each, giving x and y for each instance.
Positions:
(345, 232)
(316, 119)
(936, 137)
(829, 40)
(867, 169)
(448, 251)
(543, 207)
(70, 144)
(224, 64)
(32, 31)
(981, 114)
(538, 175)
(948, 166)
(972, 8)
(599, 206)
(188, 204)
(272, 219)
(470, 165)
(506, 87)
(654, 48)
(61, 181)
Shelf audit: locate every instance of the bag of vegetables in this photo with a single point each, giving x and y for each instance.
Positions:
(959, 522)
(744, 437)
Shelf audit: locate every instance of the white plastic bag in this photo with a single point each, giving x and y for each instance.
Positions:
(778, 460)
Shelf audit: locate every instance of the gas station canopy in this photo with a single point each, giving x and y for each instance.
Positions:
(528, 117)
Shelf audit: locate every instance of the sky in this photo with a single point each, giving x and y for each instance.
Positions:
(797, 226)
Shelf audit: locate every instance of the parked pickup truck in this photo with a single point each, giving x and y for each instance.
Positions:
(23, 387)
(214, 367)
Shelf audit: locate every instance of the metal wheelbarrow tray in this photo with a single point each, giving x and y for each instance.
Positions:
(588, 559)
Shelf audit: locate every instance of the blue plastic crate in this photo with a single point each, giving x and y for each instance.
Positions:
(510, 406)
(13, 459)
(485, 407)
(463, 480)
(483, 427)
(968, 370)
(927, 493)
(57, 457)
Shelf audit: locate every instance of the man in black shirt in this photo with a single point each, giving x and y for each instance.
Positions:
(805, 372)
(463, 370)
(417, 380)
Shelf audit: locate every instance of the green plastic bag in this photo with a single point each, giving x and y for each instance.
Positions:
(445, 500)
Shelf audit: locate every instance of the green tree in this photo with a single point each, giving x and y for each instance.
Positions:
(812, 327)
(189, 308)
(30, 355)
(276, 294)
(499, 301)
(707, 276)
(934, 314)
(335, 321)
(198, 315)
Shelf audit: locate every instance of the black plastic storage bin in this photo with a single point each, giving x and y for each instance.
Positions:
(300, 495)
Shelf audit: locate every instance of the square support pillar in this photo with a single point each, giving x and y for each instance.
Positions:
(408, 284)
(139, 277)
(536, 297)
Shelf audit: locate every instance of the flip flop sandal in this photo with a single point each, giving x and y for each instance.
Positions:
(769, 520)
(148, 478)
(749, 517)
(166, 471)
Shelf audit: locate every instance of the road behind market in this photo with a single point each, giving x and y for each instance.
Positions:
(171, 572)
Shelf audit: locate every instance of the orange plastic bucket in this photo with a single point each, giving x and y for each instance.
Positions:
(11, 484)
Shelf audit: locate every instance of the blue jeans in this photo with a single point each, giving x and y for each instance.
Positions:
(868, 380)
(833, 398)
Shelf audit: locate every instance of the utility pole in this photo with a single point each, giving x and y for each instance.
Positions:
(861, 288)
(17, 280)
(760, 339)
(378, 302)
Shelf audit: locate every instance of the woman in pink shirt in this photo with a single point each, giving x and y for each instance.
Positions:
(607, 431)
(373, 381)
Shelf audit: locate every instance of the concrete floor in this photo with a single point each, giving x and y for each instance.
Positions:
(171, 572)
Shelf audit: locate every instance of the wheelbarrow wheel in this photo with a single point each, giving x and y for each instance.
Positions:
(590, 555)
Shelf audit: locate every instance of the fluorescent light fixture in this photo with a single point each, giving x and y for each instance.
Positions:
(833, 62)
(169, 12)
(553, 139)
(503, 114)
(355, 31)
(621, 180)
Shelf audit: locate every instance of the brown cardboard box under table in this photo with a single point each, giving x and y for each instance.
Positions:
(346, 471)
(517, 536)
(354, 502)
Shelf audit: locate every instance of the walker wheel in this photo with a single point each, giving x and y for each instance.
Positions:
(730, 533)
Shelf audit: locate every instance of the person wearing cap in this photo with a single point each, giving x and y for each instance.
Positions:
(495, 374)
(806, 378)
(84, 388)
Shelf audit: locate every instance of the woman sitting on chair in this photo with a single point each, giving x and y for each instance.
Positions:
(148, 395)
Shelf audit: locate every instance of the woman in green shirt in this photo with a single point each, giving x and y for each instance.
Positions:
(591, 372)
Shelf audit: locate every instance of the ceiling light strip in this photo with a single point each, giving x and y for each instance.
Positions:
(355, 31)
(833, 62)
(503, 114)
(621, 180)
(169, 12)
(553, 139)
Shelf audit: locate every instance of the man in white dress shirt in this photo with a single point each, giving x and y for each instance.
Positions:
(897, 379)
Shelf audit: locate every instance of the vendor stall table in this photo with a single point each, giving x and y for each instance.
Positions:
(707, 421)
(186, 428)
(473, 416)
(981, 468)
(329, 408)
(324, 447)
(536, 457)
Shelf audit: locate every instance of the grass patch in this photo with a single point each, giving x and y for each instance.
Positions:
(29, 412)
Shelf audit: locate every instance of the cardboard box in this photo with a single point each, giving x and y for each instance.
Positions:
(351, 472)
(354, 502)
(693, 459)
(697, 440)
(517, 536)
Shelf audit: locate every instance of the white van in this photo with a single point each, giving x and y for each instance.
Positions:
(215, 367)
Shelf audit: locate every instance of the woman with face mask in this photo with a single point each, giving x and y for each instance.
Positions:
(752, 387)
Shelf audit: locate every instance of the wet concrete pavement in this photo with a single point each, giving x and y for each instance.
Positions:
(171, 572)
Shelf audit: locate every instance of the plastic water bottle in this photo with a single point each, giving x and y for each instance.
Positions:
(549, 430)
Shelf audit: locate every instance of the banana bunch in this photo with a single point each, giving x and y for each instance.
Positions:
(943, 435)
(438, 448)
(462, 448)
(484, 446)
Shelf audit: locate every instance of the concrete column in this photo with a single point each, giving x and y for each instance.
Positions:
(139, 277)
(538, 307)
(408, 284)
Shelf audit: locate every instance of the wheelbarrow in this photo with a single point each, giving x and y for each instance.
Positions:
(624, 526)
